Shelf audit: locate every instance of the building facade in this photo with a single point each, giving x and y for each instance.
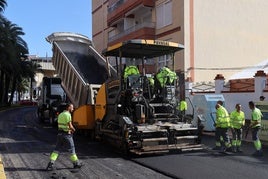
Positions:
(46, 69)
(219, 36)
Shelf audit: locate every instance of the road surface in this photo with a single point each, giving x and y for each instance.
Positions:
(25, 146)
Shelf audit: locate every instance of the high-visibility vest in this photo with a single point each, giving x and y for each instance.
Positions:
(164, 75)
(237, 119)
(151, 81)
(182, 106)
(131, 70)
(256, 115)
(222, 118)
(63, 119)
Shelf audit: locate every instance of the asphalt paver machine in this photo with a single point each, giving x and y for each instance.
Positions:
(138, 116)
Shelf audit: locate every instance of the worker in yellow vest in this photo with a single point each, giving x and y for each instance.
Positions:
(237, 122)
(131, 70)
(165, 75)
(182, 108)
(151, 81)
(65, 136)
(183, 105)
(255, 125)
(222, 125)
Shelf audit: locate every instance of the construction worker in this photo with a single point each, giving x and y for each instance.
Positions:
(183, 105)
(165, 75)
(131, 70)
(65, 136)
(255, 125)
(151, 81)
(222, 125)
(237, 122)
(182, 108)
(150, 86)
(163, 78)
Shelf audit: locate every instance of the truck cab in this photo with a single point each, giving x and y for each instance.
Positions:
(51, 100)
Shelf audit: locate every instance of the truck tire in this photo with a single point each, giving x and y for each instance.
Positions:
(40, 116)
(92, 136)
(124, 149)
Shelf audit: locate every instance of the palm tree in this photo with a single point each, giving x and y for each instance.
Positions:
(3, 4)
(22, 87)
(12, 49)
(28, 69)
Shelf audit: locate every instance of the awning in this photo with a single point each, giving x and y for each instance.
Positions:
(140, 48)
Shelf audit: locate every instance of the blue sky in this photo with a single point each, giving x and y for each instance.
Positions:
(38, 19)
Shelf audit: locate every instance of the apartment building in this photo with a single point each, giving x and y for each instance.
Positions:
(219, 36)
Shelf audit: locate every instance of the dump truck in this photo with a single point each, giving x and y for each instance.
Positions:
(124, 110)
(82, 71)
(51, 100)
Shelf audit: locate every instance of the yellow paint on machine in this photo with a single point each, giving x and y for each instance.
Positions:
(83, 117)
(100, 106)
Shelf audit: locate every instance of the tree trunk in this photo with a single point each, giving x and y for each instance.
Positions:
(2, 84)
(19, 95)
(13, 89)
(7, 85)
(31, 89)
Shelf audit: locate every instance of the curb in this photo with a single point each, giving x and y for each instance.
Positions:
(2, 171)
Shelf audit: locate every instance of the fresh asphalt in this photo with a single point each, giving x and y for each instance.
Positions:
(25, 146)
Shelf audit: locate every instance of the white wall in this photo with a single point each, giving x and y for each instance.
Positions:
(228, 34)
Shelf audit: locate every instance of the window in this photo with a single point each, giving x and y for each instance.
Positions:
(164, 14)
(165, 60)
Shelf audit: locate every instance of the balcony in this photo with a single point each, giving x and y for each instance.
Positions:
(144, 30)
(121, 7)
(114, 6)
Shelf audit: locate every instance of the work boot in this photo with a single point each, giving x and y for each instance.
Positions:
(78, 164)
(50, 166)
(227, 149)
(216, 148)
(239, 150)
(258, 153)
(234, 149)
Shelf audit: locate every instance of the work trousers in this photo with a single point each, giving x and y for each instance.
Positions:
(237, 134)
(237, 137)
(222, 132)
(255, 133)
(255, 138)
(65, 142)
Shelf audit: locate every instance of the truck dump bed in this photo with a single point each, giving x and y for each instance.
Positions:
(81, 68)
